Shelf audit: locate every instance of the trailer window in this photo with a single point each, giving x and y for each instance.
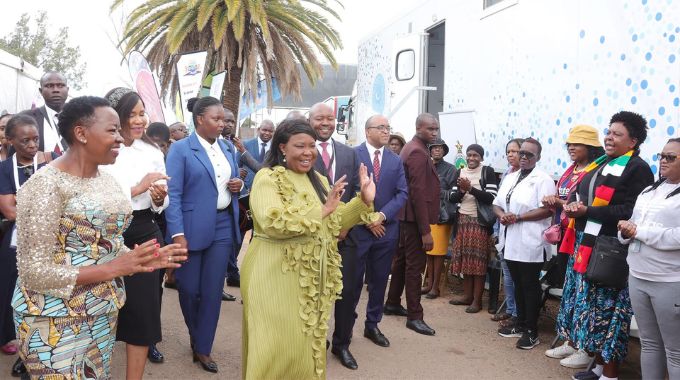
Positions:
(406, 64)
(488, 3)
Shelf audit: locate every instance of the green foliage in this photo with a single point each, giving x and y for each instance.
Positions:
(38, 48)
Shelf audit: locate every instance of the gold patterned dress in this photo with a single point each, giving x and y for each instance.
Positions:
(291, 276)
(67, 331)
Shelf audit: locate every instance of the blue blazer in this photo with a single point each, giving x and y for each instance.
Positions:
(254, 150)
(390, 196)
(193, 192)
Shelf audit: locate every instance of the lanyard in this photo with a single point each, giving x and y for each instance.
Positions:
(16, 169)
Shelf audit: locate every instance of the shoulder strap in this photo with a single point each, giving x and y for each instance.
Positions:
(482, 178)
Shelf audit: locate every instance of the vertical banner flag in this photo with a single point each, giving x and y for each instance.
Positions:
(145, 86)
(217, 83)
(190, 68)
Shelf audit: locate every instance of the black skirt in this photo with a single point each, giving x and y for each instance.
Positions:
(139, 320)
(8, 278)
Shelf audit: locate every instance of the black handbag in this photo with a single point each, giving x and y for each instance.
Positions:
(448, 212)
(485, 215)
(607, 265)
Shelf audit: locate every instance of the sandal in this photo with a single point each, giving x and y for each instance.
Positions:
(431, 296)
(473, 309)
(500, 317)
(508, 322)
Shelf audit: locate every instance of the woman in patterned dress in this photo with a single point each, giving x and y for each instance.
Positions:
(70, 252)
(601, 316)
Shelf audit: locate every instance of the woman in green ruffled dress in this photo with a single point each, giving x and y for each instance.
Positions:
(291, 273)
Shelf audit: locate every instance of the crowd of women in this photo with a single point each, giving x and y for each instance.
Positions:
(87, 254)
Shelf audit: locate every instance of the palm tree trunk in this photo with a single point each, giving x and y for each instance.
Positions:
(232, 90)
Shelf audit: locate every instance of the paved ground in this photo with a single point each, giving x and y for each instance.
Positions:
(465, 347)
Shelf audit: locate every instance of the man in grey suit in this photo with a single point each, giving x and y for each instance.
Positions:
(335, 159)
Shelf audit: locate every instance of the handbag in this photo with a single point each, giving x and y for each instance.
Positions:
(485, 215)
(607, 265)
(553, 234)
(448, 212)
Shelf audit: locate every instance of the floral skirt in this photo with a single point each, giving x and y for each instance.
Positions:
(601, 318)
(471, 247)
(68, 347)
(565, 317)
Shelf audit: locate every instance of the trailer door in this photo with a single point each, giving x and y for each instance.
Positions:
(406, 87)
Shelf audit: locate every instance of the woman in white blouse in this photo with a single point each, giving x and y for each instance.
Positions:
(140, 169)
(523, 219)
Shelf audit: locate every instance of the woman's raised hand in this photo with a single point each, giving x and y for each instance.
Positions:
(367, 185)
(333, 199)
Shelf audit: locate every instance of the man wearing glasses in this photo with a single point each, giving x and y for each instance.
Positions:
(368, 249)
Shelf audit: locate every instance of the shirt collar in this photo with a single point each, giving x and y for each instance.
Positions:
(372, 149)
(260, 142)
(206, 144)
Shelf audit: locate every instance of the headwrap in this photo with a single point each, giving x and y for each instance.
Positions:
(476, 148)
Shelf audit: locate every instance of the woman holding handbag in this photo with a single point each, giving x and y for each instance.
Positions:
(654, 261)
(606, 194)
(475, 187)
(441, 232)
(583, 146)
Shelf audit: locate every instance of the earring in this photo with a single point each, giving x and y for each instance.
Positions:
(284, 158)
(83, 141)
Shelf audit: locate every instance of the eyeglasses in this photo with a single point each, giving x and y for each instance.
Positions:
(667, 156)
(528, 155)
(382, 128)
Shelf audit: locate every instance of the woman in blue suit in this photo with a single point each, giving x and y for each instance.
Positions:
(203, 216)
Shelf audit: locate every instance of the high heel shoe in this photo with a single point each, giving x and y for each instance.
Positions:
(207, 365)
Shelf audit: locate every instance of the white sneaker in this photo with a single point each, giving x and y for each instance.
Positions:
(578, 359)
(561, 352)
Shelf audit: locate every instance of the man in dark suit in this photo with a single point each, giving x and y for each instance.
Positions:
(371, 247)
(54, 91)
(421, 210)
(335, 159)
(259, 146)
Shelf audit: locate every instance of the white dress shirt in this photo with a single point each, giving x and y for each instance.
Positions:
(330, 149)
(267, 145)
(372, 150)
(133, 163)
(222, 171)
(50, 130)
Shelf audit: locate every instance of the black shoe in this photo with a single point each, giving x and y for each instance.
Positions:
(227, 297)
(18, 368)
(154, 355)
(207, 365)
(395, 310)
(170, 285)
(511, 332)
(235, 282)
(345, 357)
(376, 336)
(419, 326)
(528, 340)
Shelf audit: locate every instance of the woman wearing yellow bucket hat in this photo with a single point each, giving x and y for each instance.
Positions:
(583, 146)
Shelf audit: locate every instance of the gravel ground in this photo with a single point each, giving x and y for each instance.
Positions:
(466, 346)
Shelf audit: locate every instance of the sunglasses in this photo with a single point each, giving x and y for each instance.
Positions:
(668, 157)
(528, 155)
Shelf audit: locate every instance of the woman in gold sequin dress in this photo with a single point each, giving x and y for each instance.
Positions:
(70, 252)
(291, 272)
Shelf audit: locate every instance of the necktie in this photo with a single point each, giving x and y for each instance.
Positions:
(55, 125)
(327, 160)
(262, 152)
(376, 166)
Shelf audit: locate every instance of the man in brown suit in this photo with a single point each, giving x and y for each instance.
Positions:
(421, 210)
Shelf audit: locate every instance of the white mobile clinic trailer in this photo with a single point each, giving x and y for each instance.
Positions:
(497, 69)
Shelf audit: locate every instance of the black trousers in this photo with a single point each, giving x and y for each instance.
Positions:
(527, 291)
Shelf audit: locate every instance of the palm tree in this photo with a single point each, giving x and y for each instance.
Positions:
(249, 39)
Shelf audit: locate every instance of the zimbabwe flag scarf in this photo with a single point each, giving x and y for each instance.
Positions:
(602, 196)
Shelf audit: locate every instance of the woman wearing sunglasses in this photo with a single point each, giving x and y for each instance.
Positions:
(523, 219)
(583, 145)
(654, 260)
(606, 195)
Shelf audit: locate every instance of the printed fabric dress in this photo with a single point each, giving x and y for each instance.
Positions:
(67, 331)
(291, 276)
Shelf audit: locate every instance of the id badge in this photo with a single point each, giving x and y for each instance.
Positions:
(13, 242)
(634, 246)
